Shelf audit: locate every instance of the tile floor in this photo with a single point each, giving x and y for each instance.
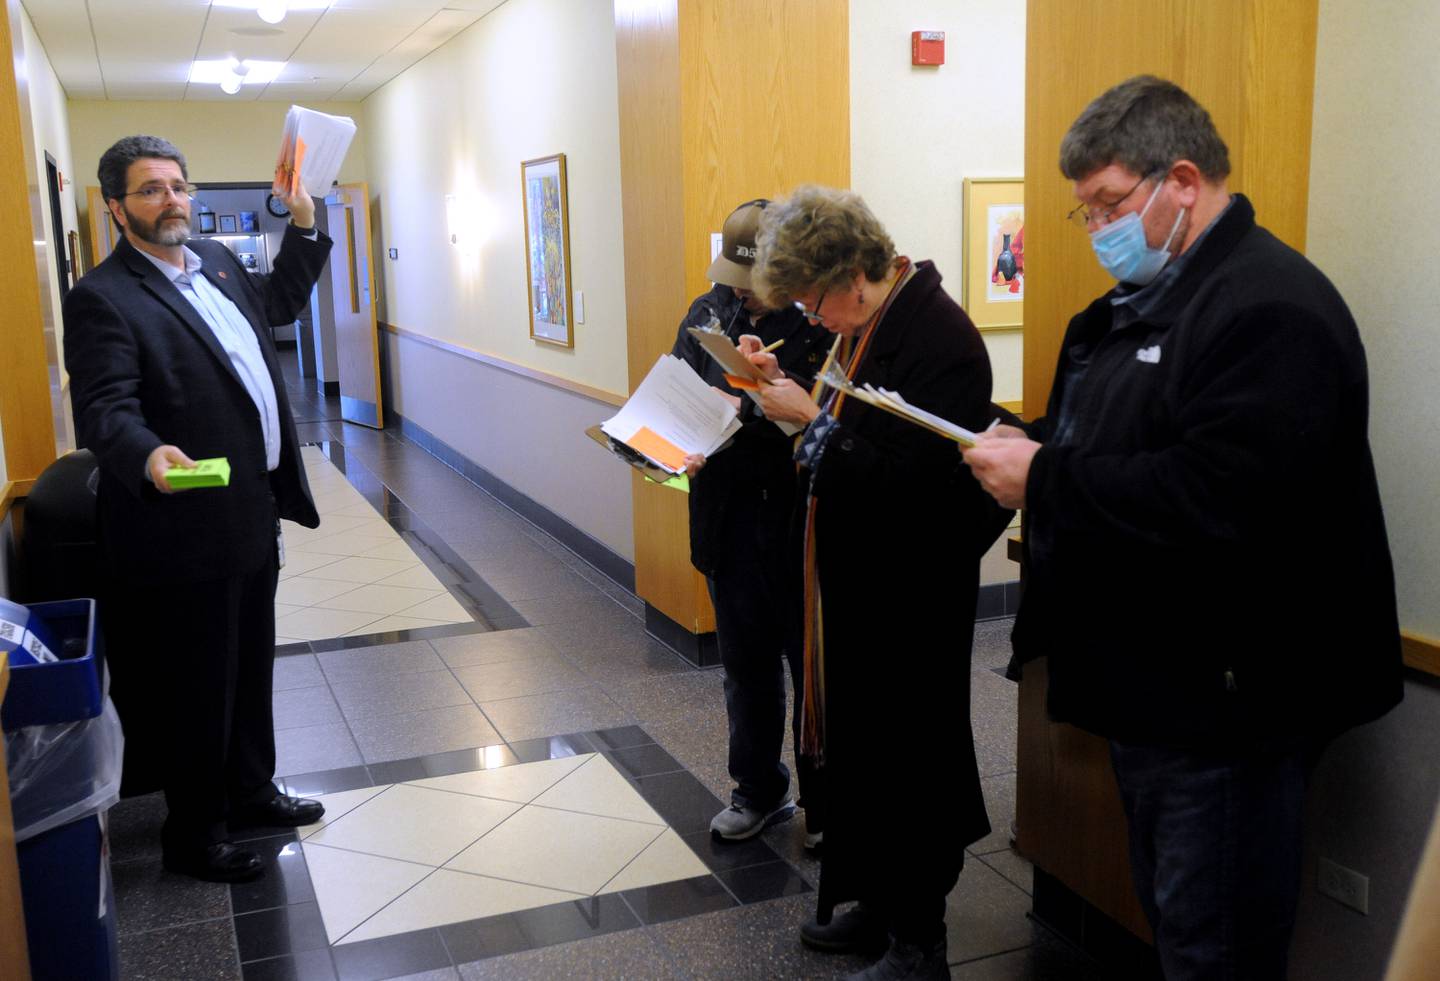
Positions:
(524, 792)
(395, 858)
(354, 574)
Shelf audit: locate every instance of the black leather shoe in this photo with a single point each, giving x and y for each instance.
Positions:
(856, 930)
(221, 862)
(279, 811)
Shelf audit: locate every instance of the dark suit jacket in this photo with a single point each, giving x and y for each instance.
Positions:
(145, 370)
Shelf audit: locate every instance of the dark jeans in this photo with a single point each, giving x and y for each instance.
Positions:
(1215, 853)
(758, 637)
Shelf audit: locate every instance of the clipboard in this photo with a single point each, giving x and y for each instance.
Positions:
(648, 470)
(735, 365)
(892, 403)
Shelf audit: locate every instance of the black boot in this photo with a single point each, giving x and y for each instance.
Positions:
(857, 930)
(908, 962)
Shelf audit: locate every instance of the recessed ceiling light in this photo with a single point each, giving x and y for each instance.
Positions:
(294, 5)
(271, 11)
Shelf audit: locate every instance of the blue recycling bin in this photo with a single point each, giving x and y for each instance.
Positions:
(63, 748)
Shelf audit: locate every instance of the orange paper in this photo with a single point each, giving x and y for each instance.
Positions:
(657, 447)
(299, 163)
(744, 384)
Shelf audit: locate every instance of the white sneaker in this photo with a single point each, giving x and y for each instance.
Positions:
(737, 823)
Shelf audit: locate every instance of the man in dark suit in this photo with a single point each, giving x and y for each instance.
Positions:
(170, 358)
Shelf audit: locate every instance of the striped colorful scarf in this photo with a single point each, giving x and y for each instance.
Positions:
(852, 355)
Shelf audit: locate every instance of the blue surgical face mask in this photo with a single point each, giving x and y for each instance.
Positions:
(1122, 250)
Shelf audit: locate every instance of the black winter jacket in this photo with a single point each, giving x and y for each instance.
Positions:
(743, 496)
(1208, 564)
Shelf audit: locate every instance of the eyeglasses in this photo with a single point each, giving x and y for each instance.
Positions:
(153, 193)
(813, 316)
(1083, 218)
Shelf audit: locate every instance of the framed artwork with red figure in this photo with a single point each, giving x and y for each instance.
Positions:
(993, 286)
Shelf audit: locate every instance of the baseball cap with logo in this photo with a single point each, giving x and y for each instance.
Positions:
(737, 249)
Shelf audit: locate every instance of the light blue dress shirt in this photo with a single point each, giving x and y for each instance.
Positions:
(232, 329)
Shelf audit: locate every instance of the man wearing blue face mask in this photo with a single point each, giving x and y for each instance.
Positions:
(1208, 571)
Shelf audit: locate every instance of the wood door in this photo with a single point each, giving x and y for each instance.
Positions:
(103, 232)
(357, 342)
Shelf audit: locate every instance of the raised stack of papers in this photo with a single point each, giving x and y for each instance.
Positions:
(673, 413)
(312, 149)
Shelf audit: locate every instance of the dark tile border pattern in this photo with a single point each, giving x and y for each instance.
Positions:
(589, 549)
(489, 608)
(277, 924)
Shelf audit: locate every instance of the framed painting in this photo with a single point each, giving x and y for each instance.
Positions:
(206, 221)
(992, 289)
(547, 250)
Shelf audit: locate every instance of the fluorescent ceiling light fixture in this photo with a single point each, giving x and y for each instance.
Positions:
(216, 72)
(256, 5)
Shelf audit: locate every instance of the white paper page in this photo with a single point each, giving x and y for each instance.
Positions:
(675, 404)
(326, 139)
(788, 428)
(938, 422)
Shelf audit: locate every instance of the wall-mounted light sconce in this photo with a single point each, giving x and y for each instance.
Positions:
(468, 221)
(452, 218)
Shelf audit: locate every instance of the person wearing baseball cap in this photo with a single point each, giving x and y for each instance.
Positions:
(741, 501)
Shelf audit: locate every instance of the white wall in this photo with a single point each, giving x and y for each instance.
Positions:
(1373, 230)
(459, 123)
(530, 79)
(222, 141)
(917, 133)
(50, 124)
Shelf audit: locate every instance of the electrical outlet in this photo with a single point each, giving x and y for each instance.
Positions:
(1344, 886)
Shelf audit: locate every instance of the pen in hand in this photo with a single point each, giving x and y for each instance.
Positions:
(776, 346)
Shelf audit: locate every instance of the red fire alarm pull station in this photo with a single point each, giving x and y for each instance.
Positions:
(927, 47)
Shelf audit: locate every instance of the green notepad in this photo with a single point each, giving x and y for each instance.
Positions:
(214, 472)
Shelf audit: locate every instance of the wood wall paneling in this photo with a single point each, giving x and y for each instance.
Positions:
(1421, 653)
(1252, 66)
(718, 105)
(648, 67)
(25, 407)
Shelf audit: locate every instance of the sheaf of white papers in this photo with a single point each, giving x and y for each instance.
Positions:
(883, 398)
(319, 142)
(675, 404)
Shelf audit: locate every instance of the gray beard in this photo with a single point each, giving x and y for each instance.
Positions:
(176, 235)
(157, 235)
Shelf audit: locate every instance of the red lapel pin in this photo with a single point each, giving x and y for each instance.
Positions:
(222, 274)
